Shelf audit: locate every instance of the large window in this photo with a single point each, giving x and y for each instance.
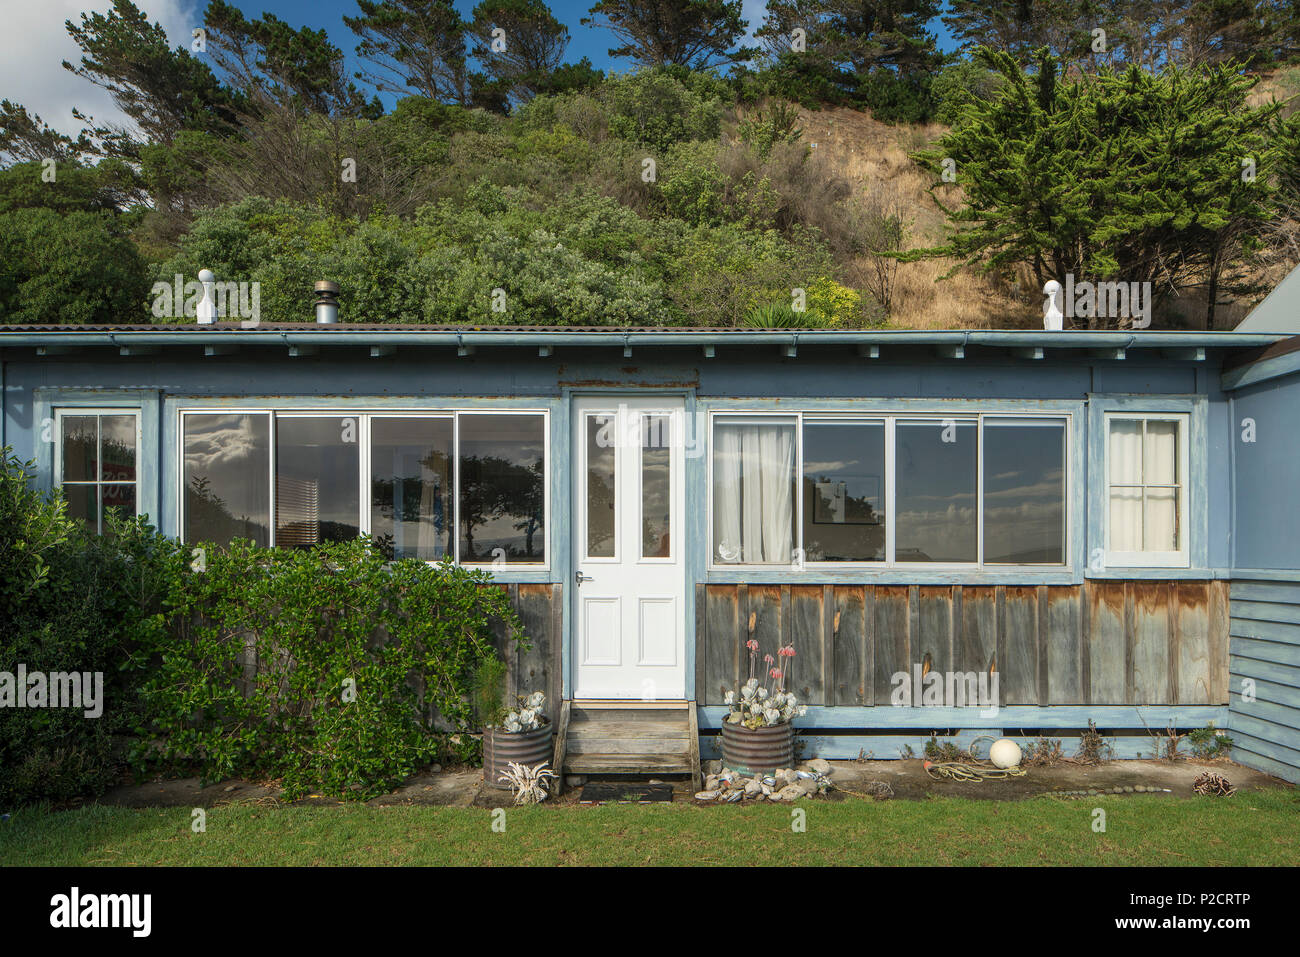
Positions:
(469, 486)
(1146, 465)
(98, 452)
(889, 489)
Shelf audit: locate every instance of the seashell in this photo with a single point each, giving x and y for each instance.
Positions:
(734, 796)
(707, 795)
(769, 780)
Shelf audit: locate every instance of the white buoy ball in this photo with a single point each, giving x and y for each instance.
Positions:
(1005, 753)
(207, 275)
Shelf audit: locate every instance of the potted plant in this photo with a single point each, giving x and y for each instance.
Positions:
(758, 733)
(520, 735)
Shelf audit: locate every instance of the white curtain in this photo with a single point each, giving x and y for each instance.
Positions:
(753, 493)
(1143, 460)
(1160, 521)
(1125, 454)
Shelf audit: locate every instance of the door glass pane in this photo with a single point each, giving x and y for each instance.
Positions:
(602, 454)
(753, 490)
(844, 491)
(117, 447)
(316, 478)
(502, 488)
(80, 448)
(227, 475)
(935, 485)
(656, 486)
(83, 504)
(410, 486)
(1024, 491)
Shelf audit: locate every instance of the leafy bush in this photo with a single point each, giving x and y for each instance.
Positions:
(960, 83)
(655, 109)
(70, 601)
(691, 183)
(326, 668)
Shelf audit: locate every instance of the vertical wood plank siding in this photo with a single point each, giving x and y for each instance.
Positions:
(1139, 643)
(536, 668)
(1264, 666)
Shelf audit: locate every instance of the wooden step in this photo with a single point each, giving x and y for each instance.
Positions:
(628, 764)
(631, 737)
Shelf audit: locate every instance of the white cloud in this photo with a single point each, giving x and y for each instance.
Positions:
(34, 44)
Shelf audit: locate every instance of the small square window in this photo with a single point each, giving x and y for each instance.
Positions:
(1146, 490)
(98, 455)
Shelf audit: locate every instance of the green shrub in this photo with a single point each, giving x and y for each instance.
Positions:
(691, 184)
(960, 83)
(327, 668)
(70, 601)
(655, 109)
(1209, 743)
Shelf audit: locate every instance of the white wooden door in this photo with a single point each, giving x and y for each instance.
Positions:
(629, 627)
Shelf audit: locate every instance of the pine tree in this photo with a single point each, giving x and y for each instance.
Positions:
(1120, 175)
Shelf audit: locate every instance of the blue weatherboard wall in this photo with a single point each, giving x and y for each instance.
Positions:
(1265, 600)
(1082, 614)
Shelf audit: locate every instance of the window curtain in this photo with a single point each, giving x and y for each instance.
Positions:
(1125, 454)
(753, 494)
(1160, 518)
(1143, 459)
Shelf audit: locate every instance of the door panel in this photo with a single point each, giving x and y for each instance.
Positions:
(630, 569)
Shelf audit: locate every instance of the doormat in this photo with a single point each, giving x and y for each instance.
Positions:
(616, 792)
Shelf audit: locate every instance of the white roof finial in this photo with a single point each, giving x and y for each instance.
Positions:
(206, 311)
(1053, 318)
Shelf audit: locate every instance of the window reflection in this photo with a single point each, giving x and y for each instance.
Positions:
(502, 487)
(226, 476)
(410, 486)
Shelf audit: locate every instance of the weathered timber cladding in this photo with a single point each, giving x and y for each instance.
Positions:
(538, 667)
(1264, 707)
(1098, 643)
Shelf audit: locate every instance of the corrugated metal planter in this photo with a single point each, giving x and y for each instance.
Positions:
(759, 750)
(500, 748)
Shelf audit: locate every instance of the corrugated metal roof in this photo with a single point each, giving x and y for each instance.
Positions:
(310, 333)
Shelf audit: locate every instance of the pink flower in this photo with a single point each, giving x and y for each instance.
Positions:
(768, 659)
(774, 673)
(752, 645)
(787, 651)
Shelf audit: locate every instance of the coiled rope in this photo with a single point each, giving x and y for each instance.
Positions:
(974, 769)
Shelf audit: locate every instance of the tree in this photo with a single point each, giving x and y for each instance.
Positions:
(414, 46)
(527, 51)
(162, 90)
(1074, 177)
(871, 53)
(692, 33)
(269, 61)
(854, 37)
(68, 267)
(25, 136)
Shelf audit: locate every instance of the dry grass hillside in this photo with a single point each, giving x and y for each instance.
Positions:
(874, 158)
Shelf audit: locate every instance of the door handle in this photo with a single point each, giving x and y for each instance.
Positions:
(579, 577)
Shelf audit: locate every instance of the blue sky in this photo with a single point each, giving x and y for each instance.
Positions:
(34, 44)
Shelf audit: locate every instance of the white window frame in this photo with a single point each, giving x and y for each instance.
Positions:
(891, 417)
(364, 417)
(1181, 558)
(99, 411)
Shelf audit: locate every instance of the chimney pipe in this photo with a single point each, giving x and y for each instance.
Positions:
(327, 302)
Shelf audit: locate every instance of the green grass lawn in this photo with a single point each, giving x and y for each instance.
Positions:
(1251, 828)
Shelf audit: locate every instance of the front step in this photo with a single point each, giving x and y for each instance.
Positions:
(632, 737)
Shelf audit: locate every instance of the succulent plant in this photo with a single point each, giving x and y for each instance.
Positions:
(528, 715)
